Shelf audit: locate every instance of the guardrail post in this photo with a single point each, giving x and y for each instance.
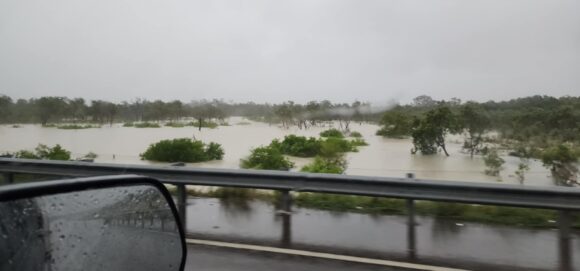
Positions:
(411, 233)
(286, 207)
(564, 250)
(182, 204)
(286, 201)
(8, 177)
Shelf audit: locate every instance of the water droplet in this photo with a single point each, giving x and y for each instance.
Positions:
(62, 237)
(96, 216)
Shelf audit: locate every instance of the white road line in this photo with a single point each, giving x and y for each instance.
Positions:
(321, 255)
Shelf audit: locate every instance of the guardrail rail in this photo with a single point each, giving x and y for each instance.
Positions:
(563, 199)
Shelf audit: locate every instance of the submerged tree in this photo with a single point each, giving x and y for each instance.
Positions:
(430, 131)
(476, 123)
(395, 124)
(493, 162)
(523, 167)
(560, 159)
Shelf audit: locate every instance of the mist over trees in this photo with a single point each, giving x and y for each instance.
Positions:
(45, 110)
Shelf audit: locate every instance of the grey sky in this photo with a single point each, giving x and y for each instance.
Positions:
(276, 50)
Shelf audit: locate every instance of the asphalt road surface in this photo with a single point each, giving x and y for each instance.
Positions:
(202, 258)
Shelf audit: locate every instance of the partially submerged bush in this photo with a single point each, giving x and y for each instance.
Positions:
(76, 126)
(493, 162)
(298, 146)
(332, 133)
(175, 124)
(90, 155)
(44, 152)
(355, 134)
(204, 124)
(320, 164)
(339, 144)
(561, 160)
(266, 158)
(330, 160)
(359, 142)
(310, 147)
(146, 125)
(183, 150)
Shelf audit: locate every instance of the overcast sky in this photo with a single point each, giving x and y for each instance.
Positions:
(276, 50)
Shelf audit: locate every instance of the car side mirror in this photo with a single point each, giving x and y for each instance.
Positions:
(101, 223)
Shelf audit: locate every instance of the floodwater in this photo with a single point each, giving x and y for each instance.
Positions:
(383, 157)
(436, 239)
(444, 241)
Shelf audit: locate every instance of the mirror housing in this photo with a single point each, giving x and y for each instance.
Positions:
(99, 223)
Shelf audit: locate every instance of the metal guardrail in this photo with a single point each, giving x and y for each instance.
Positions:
(563, 199)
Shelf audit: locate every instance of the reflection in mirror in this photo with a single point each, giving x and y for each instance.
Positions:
(119, 228)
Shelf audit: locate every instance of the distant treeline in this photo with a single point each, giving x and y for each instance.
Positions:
(46, 110)
(537, 119)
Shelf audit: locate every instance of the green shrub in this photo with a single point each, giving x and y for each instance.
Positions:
(266, 158)
(204, 124)
(320, 164)
(128, 124)
(339, 145)
(359, 142)
(355, 134)
(45, 152)
(298, 146)
(310, 147)
(465, 212)
(24, 154)
(332, 133)
(493, 162)
(214, 151)
(175, 124)
(183, 150)
(146, 125)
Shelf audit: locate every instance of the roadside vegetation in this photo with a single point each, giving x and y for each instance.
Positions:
(456, 212)
(183, 150)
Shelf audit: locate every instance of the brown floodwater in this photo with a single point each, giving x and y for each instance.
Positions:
(383, 157)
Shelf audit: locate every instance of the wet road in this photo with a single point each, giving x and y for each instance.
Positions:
(202, 258)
